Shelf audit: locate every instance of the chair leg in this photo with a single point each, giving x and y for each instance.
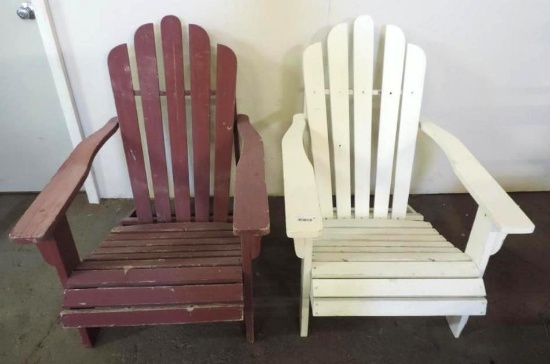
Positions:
(457, 323)
(306, 288)
(246, 246)
(88, 335)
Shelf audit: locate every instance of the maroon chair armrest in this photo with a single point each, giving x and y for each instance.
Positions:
(250, 211)
(38, 222)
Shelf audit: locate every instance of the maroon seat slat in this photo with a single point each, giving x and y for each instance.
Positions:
(169, 242)
(161, 295)
(146, 59)
(172, 235)
(172, 48)
(163, 255)
(151, 315)
(199, 47)
(182, 226)
(121, 81)
(165, 249)
(160, 263)
(161, 276)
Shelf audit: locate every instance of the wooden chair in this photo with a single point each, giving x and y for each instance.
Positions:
(380, 261)
(167, 263)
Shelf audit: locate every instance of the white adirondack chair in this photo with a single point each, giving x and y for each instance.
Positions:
(381, 261)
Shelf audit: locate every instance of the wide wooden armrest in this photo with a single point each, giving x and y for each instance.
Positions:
(494, 201)
(51, 204)
(302, 210)
(251, 210)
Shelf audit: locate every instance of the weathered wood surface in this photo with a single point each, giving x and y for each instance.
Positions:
(121, 82)
(199, 48)
(146, 59)
(172, 47)
(251, 211)
(226, 81)
(162, 266)
(136, 316)
(40, 219)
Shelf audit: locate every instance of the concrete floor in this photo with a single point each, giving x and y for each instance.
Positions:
(515, 330)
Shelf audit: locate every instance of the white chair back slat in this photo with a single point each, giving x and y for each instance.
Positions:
(363, 75)
(392, 76)
(314, 79)
(400, 102)
(411, 101)
(338, 74)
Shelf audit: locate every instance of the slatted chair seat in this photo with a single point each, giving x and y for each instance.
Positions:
(158, 274)
(181, 257)
(374, 255)
(377, 269)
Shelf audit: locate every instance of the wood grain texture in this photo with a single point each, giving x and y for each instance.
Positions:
(316, 116)
(338, 71)
(162, 276)
(157, 295)
(425, 306)
(160, 263)
(172, 48)
(60, 250)
(363, 79)
(302, 211)
(199, 48)
(41, 218)
(151, 315)
(146, 59)
(251, 210)
(121, 82)
(248, 287)
(226, 82)
(411, 101)
(392, 78)
(485, 190)
(172, 227)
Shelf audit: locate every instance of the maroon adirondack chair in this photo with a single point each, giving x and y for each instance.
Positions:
(168, 263)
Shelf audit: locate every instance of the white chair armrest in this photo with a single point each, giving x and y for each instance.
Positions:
(494, 201)
(303, 214)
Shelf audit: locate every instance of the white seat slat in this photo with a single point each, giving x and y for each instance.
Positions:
(371, 223)
(366, 243)
(363, 71)
(469, 287)
(314, 78)
(392, 76)
(389, 257)
(337, 48)
(395, 270)
(366, 231)
(411, 101)
(339, 239)
(384, 249)
(456, 306)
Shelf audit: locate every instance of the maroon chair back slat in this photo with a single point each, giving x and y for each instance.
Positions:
(121, 80)
(150, 93)
(172, 48)
(199, 47)
(226, 78)
(146, 60)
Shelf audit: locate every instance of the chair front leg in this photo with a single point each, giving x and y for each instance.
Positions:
(249, 244)
(60, 251)
(307, 246)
